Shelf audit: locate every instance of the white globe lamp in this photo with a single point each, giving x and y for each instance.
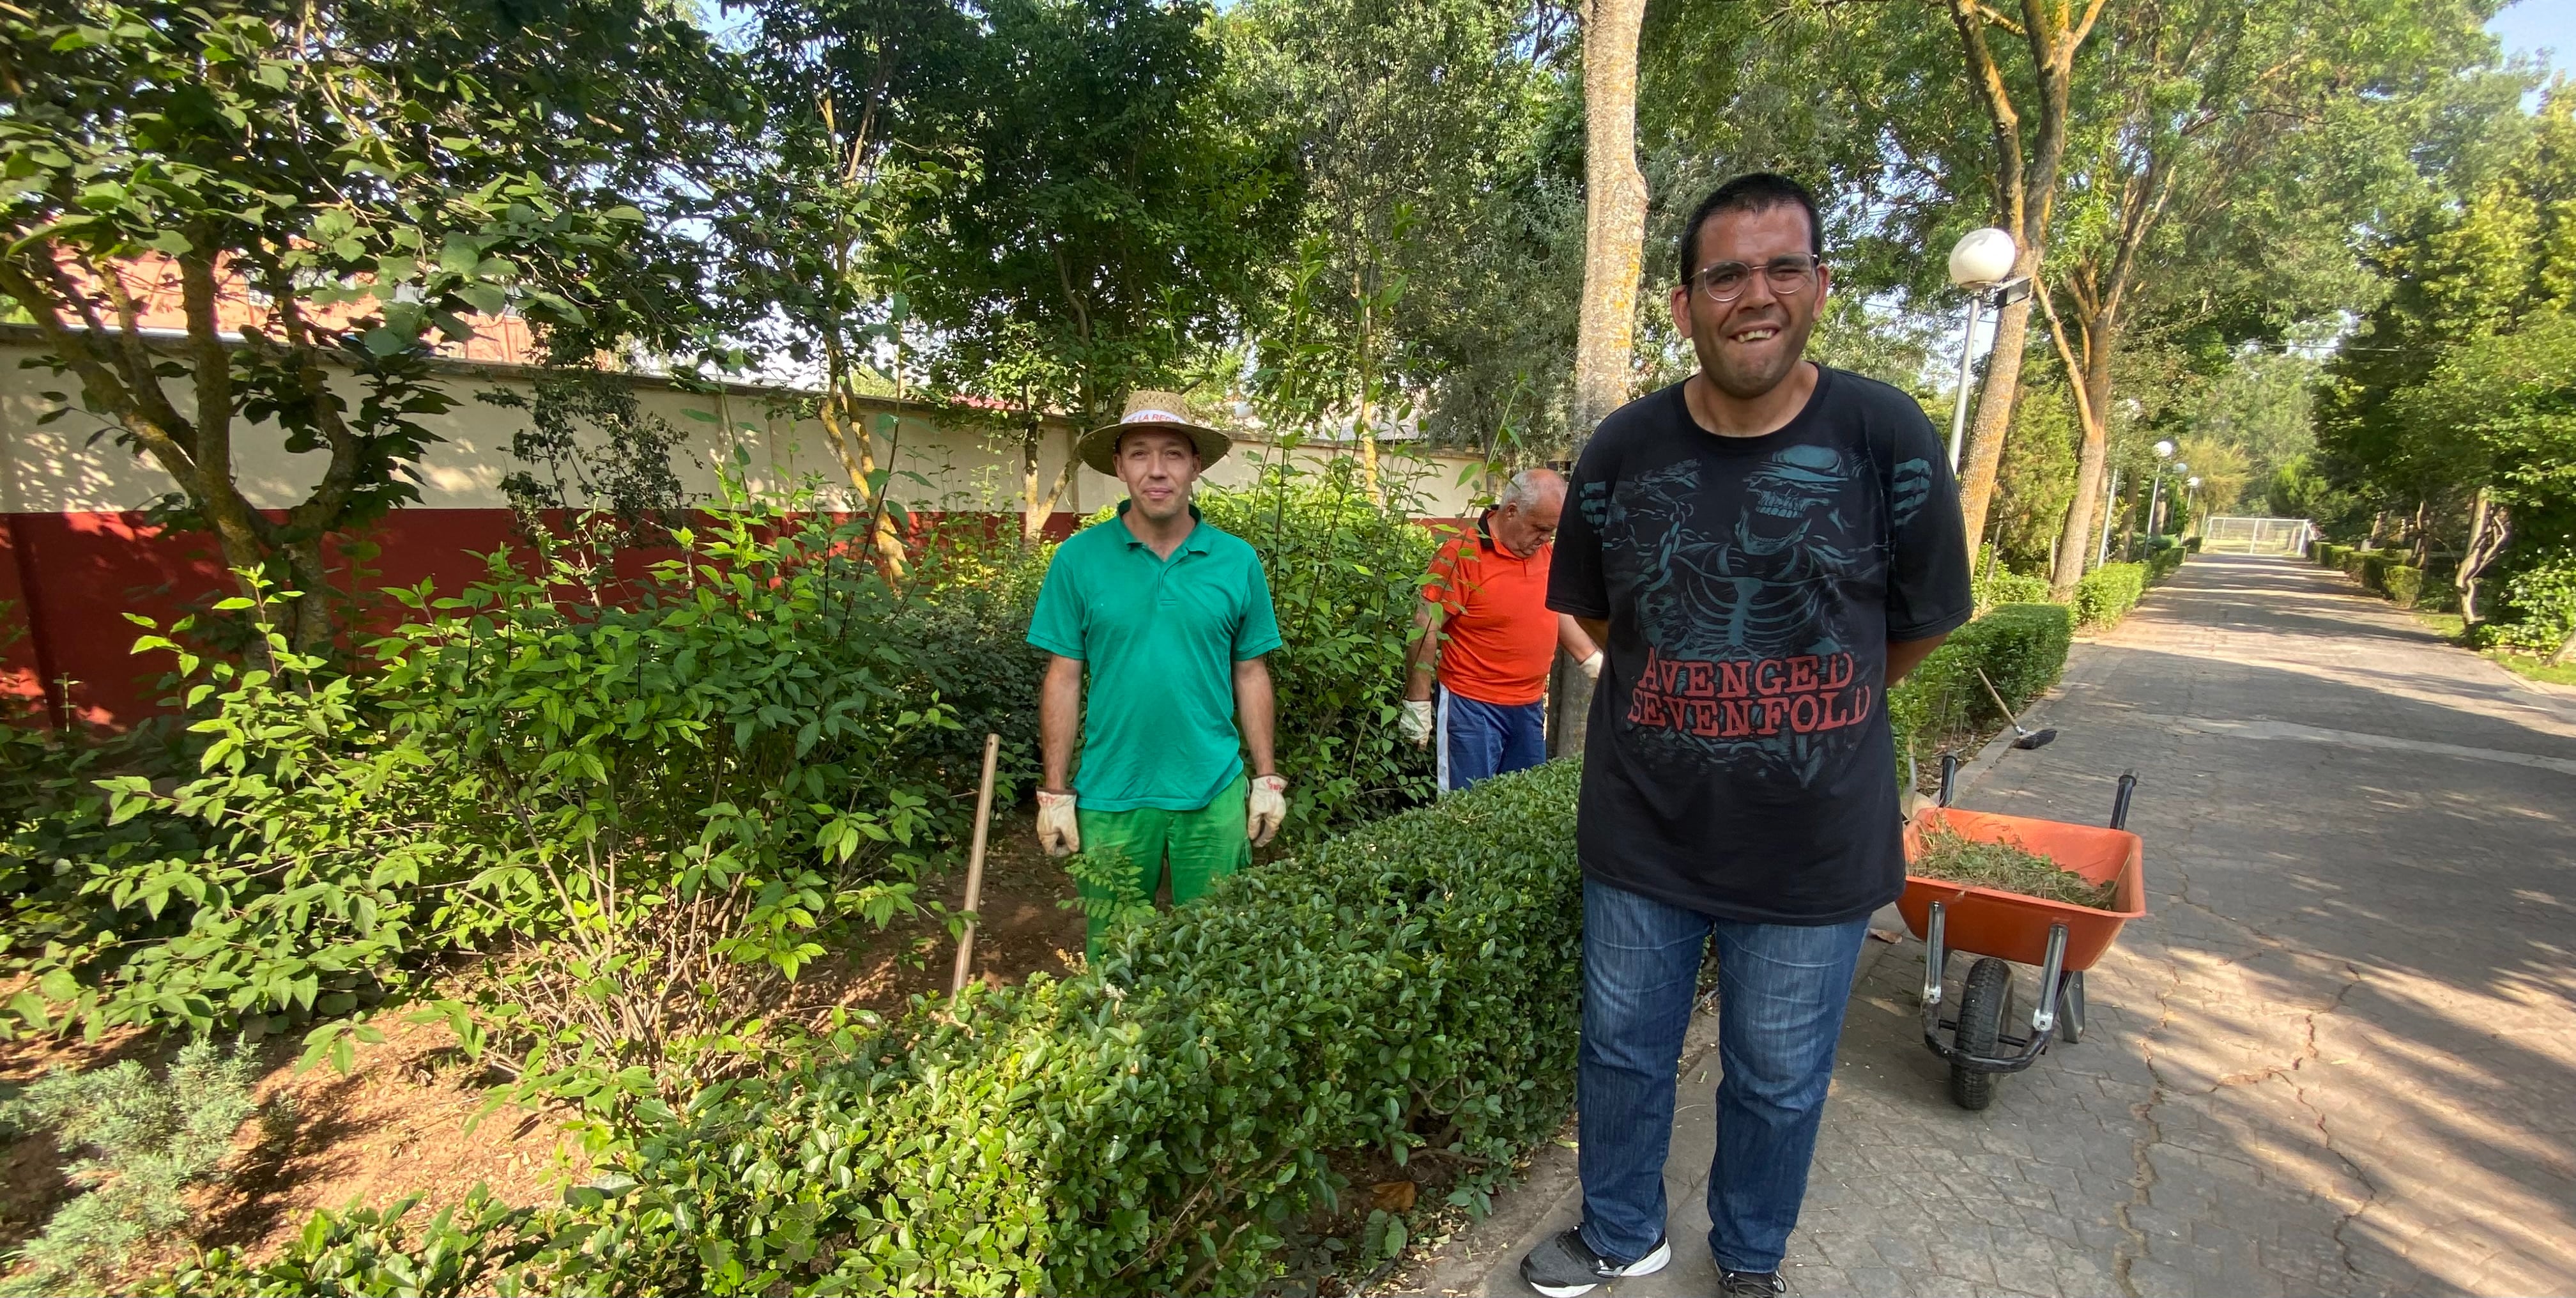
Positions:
(1978, 260)
(1981, 257)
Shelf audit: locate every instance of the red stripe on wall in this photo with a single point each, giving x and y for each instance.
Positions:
(74, 577)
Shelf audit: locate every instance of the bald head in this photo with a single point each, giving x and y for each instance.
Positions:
(1531, 486)
(1525, 514)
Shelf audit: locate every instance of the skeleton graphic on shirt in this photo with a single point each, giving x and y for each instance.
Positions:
(1759, 585)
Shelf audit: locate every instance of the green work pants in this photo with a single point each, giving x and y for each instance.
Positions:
(1203, 845)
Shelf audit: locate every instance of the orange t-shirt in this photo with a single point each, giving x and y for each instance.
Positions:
(1498, 637)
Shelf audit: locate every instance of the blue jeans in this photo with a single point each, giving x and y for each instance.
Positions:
(1781, 991)
(1479, 741)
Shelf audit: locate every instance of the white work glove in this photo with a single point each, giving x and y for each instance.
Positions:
(1592, 666)
(1263, 811)
(1058, 830)
(1415, 724)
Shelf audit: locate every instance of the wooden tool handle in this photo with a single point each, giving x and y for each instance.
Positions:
(975, 864)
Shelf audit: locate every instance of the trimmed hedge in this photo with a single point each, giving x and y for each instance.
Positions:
(1409, 989)
(2022, 649)
(2107, 593)
(2162, 563)
(2401, 584)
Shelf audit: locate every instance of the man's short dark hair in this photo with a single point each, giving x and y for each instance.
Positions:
(1754, 191)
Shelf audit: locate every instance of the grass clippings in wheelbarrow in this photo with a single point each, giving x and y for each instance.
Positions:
(1953, 857)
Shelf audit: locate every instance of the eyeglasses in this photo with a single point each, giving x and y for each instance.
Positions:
(1726, 281)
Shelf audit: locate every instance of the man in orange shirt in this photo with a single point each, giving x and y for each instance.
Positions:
(1485, 632)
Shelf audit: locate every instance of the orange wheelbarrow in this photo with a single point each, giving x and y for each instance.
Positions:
(1982, 1038)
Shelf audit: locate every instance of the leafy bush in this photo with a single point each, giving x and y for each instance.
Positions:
(673, 803)
(281, 882)
(658, 811)
(2330, 555)
(2162, 563)
(360, 1251)
(1996, 584)
(2539, 608)
(2020, 647)
(2403, 585)
(2107, 593)
(144, 1142)
(964, 623)
(1408, 992)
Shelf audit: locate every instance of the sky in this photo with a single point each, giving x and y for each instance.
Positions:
(2529, 26)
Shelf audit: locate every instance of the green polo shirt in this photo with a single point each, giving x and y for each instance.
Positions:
(1160, 638)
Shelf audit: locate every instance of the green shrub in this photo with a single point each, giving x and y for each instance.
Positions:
(2020, 647)
(283, 880)
(964, 624)
(662, 809)
(2330, 555)
(2107, 593)
(2163, 563)
(1996, 584)
(2538, 612)
(1408, 991)
(2403, 585)
(360, 1251)
(144, 1142)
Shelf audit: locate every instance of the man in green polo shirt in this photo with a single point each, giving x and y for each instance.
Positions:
(1170, 617)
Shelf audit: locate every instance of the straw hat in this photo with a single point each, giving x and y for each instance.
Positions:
(1162, 412)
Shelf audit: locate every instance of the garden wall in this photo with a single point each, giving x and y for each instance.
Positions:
(77, 552)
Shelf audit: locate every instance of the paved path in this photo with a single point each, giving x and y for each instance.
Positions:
(2339, 1057)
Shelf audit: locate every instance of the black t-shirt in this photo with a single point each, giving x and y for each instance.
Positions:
(1739, 762)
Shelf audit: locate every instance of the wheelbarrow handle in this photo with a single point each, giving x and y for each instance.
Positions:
(2120, 801)
(1949, 776)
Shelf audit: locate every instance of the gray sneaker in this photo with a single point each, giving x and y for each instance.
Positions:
(1564, 1266)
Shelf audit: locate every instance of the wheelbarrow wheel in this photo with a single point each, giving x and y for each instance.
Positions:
(1985, 1001)
(2070, 1009)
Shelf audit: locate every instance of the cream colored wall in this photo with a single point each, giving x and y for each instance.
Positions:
(62, 468)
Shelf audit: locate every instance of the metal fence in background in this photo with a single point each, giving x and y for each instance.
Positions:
(2256, 535)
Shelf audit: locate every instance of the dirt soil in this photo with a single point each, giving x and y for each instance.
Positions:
(398, 1123)
(1025, 928)
(404, 1120)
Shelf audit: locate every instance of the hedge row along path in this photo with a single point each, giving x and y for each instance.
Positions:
(2339, 1057)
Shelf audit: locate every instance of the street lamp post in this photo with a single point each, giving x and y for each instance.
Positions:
(2156, 489)
(1979, 261)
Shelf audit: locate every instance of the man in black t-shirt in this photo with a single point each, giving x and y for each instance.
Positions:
(1762, 550)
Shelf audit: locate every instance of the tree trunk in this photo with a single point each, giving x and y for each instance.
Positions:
(1037, 505)
(2489, 527)
(1614, 215)
(2093, 412)
(1981, 455)
(1614, 232)
(2025, 193)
